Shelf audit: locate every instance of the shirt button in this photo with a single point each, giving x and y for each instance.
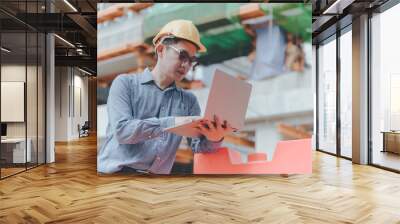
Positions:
(149, 136)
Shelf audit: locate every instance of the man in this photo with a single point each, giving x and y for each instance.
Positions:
(270, 48)
(141, 106)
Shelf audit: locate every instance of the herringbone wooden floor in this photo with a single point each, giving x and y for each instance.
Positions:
(70, 191)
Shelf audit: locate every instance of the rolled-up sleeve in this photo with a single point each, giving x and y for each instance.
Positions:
(201, 145)
(126, 129)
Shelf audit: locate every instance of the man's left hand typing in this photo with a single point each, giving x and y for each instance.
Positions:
(215, 130)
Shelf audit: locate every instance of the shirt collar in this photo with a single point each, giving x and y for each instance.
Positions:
(147, 77)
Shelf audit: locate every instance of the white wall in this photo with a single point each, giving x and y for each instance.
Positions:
(17, 73)
(33, 126)
(80, 84)
(61, 105)
(69, 85)
(14, 73)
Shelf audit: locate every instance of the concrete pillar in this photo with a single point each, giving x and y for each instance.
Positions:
(50, 92)
(360, 90)
(62, 102)
(50, 98)
(267, 137)
(314, 87)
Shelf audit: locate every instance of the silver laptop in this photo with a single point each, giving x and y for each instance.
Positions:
(228, 99)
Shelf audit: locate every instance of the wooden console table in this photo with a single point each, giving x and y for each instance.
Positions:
(391, 141)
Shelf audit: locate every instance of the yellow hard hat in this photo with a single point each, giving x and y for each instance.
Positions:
(183, 29)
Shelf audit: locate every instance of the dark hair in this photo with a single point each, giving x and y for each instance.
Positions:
(170, 40)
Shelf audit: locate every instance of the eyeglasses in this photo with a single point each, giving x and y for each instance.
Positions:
(184, 57)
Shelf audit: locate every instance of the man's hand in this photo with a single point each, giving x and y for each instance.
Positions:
(214, 130)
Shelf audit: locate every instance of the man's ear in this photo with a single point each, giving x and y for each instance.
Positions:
(159, 50)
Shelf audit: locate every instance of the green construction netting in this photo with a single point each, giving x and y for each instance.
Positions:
(204, 15)
(219, 24)
(293, 17)
(232, 42)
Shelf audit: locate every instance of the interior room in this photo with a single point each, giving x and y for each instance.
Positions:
(22, 100)
(42, 77)
(385, 90)
(332, 80)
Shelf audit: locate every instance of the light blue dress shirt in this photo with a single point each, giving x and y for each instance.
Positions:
(138, 112)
